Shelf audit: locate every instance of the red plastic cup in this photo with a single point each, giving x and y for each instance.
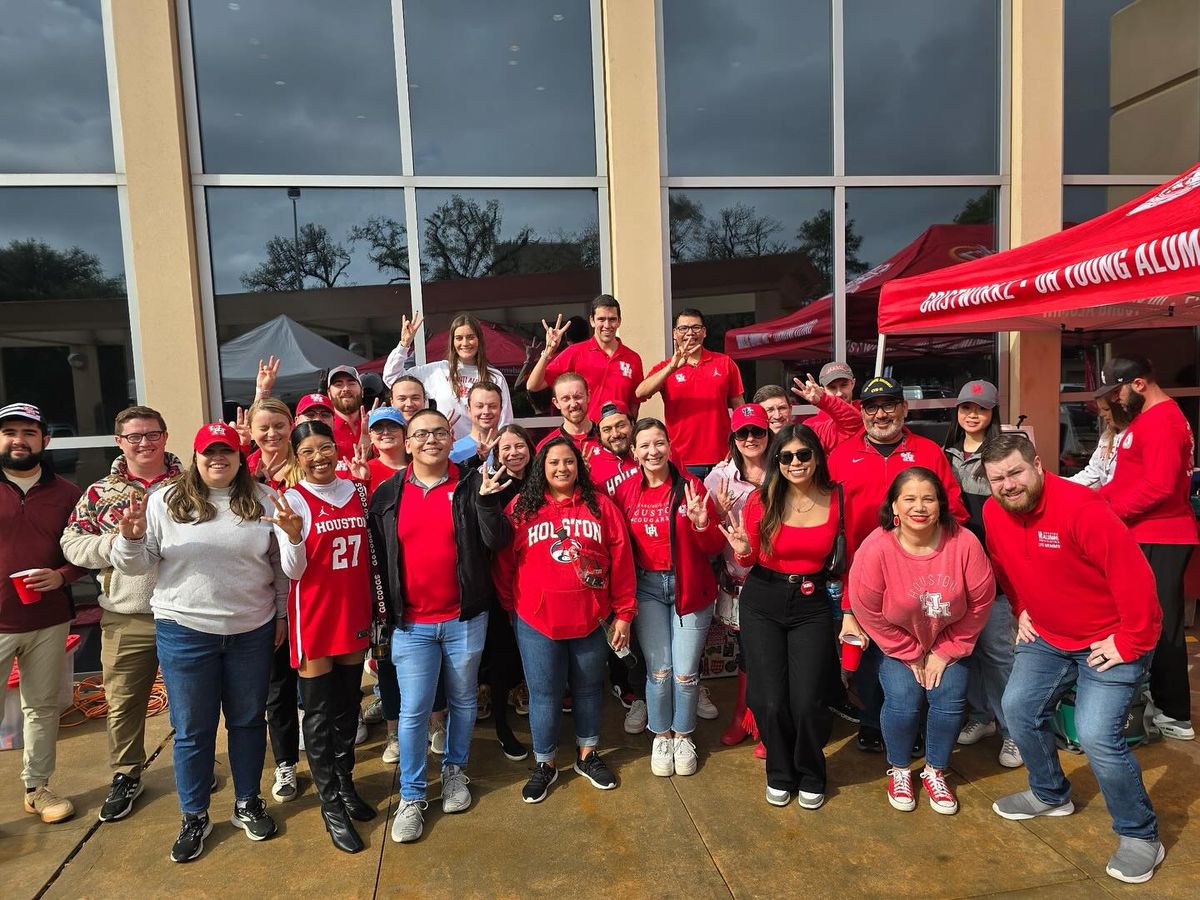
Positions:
(852, 651)
(24, 591)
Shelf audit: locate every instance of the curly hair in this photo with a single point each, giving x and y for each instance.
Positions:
(533, 492)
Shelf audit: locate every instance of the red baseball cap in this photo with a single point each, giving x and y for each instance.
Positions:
(749, 414)
(613, 408)
(310, 400)
(216, 433)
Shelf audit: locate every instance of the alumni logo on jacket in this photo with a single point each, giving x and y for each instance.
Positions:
(1049, 540)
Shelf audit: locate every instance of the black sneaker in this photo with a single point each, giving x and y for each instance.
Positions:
(847, 710)
(119, 802)
(870, 740)
(190, 843)
(512, 748)
(252, 818)
(539, 782)
(593, 768)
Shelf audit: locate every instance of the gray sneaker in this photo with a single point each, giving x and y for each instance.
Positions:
(1135, 860)
(1026, 805)
(409, 823)
(456, 797)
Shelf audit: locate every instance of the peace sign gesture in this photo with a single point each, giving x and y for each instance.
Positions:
(679, 357)
(241, 425)
(724, 499)
(809, 390)
(132, 523)
(285, 518)
(267, 373)
(736, 534)
(493, 483)
(408, 330)
(554, 334)
(696, 506)
(359, 470)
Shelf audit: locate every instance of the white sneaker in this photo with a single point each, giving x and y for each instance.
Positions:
(1010, 755)
(636, 718)
(409, 823)
(456, 796)
(662, 756)
(284, 788)
(437, 739)
(361, 734)
(685, 756)
(705, 708)
(373, 714)
(974, 732)
(1178, 729)
(810, 799)
(391, 751)
(778, 798)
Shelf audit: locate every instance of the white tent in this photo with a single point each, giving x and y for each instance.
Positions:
(302, 356)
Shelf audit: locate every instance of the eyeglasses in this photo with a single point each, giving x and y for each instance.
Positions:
(786, 457)
(438, 434)
(323, 450)
(137, 437)
(749, 431)
(689, 329)
(888, 407)
(319, 413)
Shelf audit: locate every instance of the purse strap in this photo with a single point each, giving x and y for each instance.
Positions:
(380, 611)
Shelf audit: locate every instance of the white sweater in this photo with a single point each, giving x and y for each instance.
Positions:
(222, 576)
(435, 376)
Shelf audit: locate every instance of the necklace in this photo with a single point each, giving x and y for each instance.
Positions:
(800, 511)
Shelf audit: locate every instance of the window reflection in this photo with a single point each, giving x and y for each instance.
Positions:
(748, 87)
(53, 88)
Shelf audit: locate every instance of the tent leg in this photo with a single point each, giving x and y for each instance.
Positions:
(879, 356)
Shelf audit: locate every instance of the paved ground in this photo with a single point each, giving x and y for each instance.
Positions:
(711, 835)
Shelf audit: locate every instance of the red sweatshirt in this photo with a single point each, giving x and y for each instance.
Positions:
(837, 421)
(1076, 569)
(911, 605)
(608, 470)
(587, 443)
(795, 550)
(1150, 488)
(540, 574)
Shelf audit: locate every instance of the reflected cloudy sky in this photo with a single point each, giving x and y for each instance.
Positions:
(891, 218)
(85, 217)
(1086, 110)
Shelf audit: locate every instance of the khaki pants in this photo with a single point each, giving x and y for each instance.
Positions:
(40, 655)
(129, 657)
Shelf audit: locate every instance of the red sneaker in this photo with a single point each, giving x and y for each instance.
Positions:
(941, 798)
(900, 790)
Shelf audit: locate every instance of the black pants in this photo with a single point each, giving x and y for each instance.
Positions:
(501, 666)
(631, 678)
(788, 646)
(1169, 669)
(283, 722)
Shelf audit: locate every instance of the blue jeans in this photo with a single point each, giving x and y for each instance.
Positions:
(547, 663)
(900, 718)
(1041, 675)
(670, 643)
(422, 651)
(205, 675)
(991, 664)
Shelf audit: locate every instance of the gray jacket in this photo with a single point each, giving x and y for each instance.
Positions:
(974, 486)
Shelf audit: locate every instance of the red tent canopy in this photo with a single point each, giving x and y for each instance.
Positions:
(505, 349)
(1087, 277)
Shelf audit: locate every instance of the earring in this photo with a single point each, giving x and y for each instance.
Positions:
(895, 521)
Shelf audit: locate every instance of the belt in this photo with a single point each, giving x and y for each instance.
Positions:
(784, 578)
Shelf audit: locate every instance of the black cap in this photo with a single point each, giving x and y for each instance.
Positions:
(1121, 370)
(880, 387)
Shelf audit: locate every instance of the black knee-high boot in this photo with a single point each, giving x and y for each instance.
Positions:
(348, 681)
(319, 695)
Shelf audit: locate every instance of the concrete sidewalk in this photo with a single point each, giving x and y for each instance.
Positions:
(711, 835)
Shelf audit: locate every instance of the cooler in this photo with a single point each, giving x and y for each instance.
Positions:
(11, 728)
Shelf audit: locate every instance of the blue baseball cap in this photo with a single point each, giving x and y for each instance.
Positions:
(386, 414)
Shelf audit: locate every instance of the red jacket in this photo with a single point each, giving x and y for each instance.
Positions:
(608, 470)
(31, 526)
(1075, 569)
(837, 421)
(540, 574)
(691, 550)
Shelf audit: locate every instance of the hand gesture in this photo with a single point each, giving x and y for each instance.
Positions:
(452, 419)
(408, 330)
(724, 499)
(241, 425)
(533, 348)
(808, 391)
(554, 334)
(934, 667)
(267, 373)
(679, 357)
(493, 483)
(359, 470)
(1026, 633)
(696, 505)
(736, 534)
(364, 433)
(285, 518)
(132, 523)
(484, 447)
(1105, 654)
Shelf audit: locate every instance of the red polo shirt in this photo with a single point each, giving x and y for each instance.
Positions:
(613, 377)
(425, 527)
(697, 399)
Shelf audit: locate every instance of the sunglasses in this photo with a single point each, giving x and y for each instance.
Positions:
(749, 431)
(785, 457)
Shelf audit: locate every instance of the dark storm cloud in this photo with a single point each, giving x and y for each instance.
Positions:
(85, 217)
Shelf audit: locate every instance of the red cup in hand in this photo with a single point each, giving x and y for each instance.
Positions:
(24, 591)
(852, 651)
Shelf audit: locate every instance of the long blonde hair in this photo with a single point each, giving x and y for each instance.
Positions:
(290, 473)
(481, 362)
(187, 499)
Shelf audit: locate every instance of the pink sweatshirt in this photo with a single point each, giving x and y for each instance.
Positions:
(911, 605)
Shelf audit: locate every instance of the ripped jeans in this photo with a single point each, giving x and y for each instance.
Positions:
(672, 646)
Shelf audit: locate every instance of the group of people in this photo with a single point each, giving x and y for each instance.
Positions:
(932, 594)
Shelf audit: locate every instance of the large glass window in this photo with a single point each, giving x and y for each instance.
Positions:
(53, 88)
(748, 87)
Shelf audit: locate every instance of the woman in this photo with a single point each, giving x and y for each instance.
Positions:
(565, 567)
(991, 663)
(448, 382)
(1114, 419)
(219, 613)
(672, 526)
(329, 619)
(784, 535)
(732, 482)
(273, 462)
(921, 588)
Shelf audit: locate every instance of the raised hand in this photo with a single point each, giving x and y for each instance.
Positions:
(359, 470)
(493, 483)
(452, 419)
(484, 447)
(736, 534)
(364, 433)
(267, 373)
(696, 506)
(132, 523)
(554, 334)
(408, 330)
(724, 498)
(809, 391)
(679, 357)
(241, 425)
(286, 518)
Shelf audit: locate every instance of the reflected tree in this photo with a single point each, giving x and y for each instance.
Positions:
(815, 238)
(979, 210)
(387, 242)
(686, 225)
(33, 270)
(739, 231)
(462, 240)
(317, 256)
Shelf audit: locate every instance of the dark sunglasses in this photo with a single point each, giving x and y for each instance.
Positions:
(785, 457)
(750, 431)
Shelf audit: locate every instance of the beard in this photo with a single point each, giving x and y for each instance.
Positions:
(885, 434)
(1134, 404)
(1025, 501)
(346, 405)
(617, 446)
(22, 463)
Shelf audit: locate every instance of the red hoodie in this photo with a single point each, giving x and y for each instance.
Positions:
(691, 550)
(837, 421)
(1076, 569)
(608, 470)
(538, 575)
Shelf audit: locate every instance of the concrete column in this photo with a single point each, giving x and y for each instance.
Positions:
(637, 222)
(160, 214)
(1036, 208)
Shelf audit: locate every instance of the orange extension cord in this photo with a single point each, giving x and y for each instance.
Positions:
(91, 703)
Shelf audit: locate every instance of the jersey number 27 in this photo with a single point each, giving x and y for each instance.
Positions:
(345, 551)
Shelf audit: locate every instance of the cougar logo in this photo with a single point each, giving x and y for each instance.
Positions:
(565, 550)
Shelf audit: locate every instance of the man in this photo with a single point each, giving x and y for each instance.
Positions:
(128, 652)
(866, 466)
(778, 405)
(699, 387)
(571, 399)
(484, 404)
(837, 419)
(611, 369)
(1087, 619)
(344, 387)
(408, 395)
(35, 505)
(315, 408)
(1149, 492)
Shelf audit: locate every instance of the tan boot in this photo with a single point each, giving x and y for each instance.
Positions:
(47, 804)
